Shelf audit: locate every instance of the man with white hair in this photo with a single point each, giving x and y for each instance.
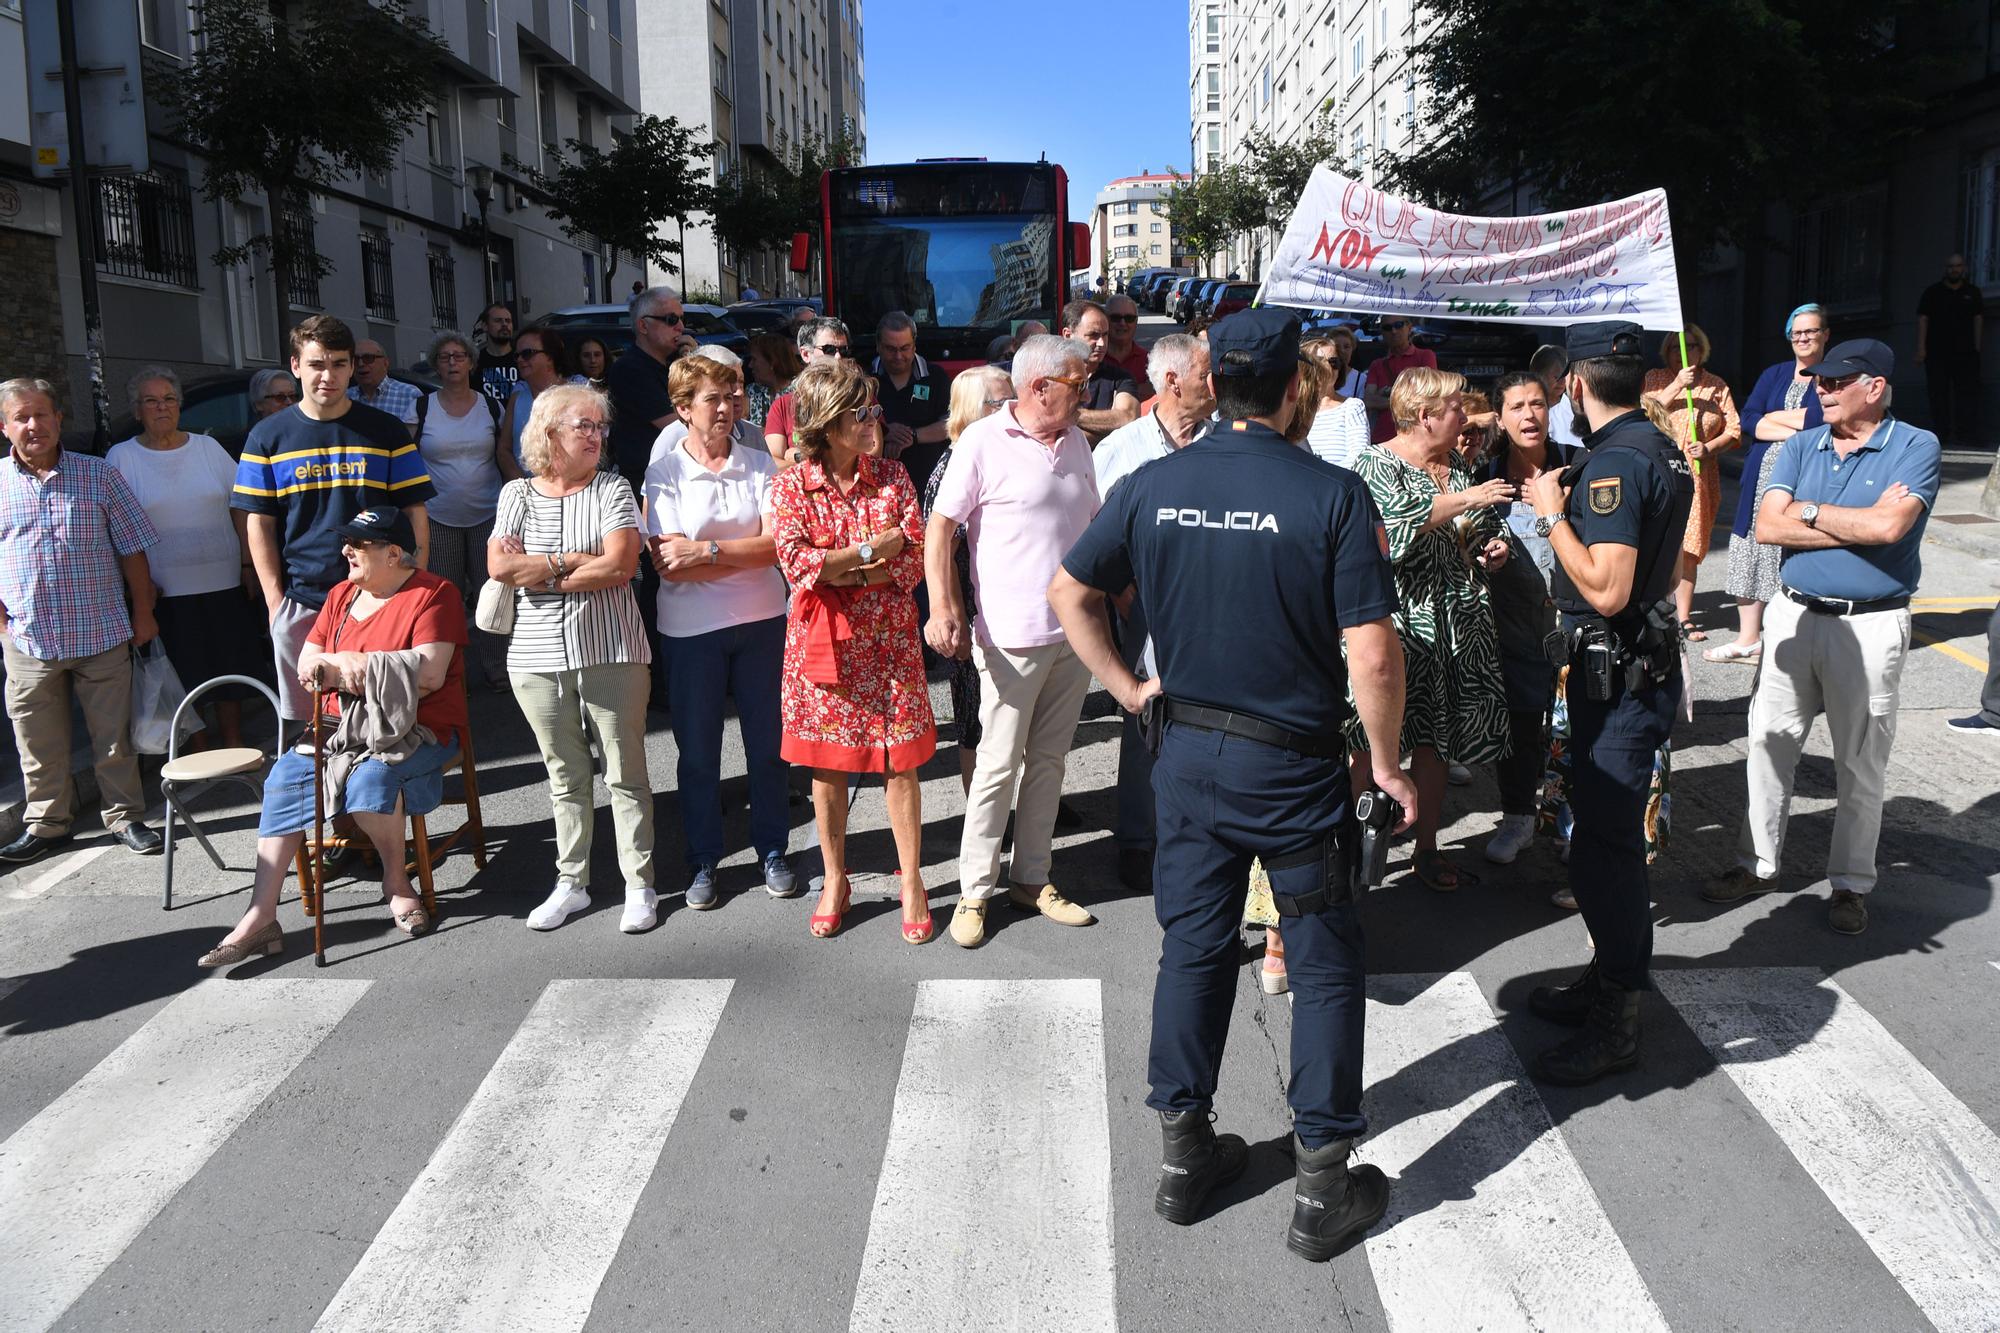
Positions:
(819, 340)
(375, 387)
(640, 405)
(1182, 414)
(1848, 500)
(1021, 484)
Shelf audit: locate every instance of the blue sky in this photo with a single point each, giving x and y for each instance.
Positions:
(1099, 85)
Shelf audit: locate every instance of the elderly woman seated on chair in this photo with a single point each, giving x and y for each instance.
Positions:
(388, 650)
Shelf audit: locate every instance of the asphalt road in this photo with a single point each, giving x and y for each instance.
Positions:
(728, 1124)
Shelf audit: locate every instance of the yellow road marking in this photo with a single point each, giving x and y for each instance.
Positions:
(1951, 601)
(1959, 654)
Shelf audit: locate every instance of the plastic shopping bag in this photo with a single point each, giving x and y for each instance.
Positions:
(156, 693)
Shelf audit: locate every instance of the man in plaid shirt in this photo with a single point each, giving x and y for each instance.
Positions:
(374, 387)
(73, 545)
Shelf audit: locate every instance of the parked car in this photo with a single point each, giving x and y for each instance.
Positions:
(1176, 292)
(784, 305)
(1233, 296)
(1204, 298)
(756, 319)
(219, 406)
(1156, 290)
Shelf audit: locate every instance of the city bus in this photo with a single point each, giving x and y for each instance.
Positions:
(969, 249)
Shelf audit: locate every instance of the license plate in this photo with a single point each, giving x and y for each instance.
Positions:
(1469, 371)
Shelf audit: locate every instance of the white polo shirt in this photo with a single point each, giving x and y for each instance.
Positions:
(683, 496)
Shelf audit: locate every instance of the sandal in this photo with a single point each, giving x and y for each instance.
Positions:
(1272, 975)
(825, 927)
(1691, 634)
(918, 932)
(1734, 652)
(1437, 873)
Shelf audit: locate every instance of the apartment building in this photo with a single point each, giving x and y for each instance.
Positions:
(769, 73)
(410, 255)
(1129, 227)
(1274, 64)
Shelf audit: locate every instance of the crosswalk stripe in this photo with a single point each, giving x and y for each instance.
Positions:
(1905, 1162)
(1491, 1224)
(518, 1214)
(1019, 1235)
(85, 1176)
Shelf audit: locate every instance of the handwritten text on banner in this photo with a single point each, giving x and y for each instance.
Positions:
(1351, 247)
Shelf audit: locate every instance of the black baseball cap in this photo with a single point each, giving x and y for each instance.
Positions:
(1263, 340)
(1859, 356)
(380, 523)
(1606, 337)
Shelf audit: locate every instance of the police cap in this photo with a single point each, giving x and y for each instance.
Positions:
(1263, 340)
(1606, 337)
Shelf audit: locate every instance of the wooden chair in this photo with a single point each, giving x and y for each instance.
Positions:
(420, 850)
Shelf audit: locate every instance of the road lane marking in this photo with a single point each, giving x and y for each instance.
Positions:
(83, 1178)
(1907, 1164)
(1023, 1241)
(59, 870)
(519, 1213)
(1973, 602)
(1491, 1223)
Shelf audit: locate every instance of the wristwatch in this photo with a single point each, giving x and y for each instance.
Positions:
(866, 552)
(1546, 524)
(1810, 515)
(714, 552)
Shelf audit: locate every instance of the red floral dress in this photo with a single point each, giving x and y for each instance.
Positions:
(854, 691)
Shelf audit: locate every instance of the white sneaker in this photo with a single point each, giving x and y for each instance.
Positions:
(1516, 834)
(568, 899)
(640, 910)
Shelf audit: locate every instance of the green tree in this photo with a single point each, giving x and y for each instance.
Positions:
(286, 98)
(623, 197)
(1208, 211)
(1729, 105)
(761, 207)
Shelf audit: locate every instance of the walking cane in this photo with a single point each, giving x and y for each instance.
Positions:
(318, 861)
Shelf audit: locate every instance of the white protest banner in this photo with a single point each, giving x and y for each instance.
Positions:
(1350, 247)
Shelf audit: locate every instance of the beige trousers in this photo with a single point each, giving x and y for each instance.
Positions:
(38, 695)
(1847, 667)
(611, 701)
(1029, 702)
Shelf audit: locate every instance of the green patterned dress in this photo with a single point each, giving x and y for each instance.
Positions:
(1453, 701)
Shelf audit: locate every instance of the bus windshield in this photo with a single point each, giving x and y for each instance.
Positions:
(977, 274)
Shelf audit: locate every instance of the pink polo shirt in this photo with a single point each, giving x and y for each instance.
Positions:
(1023, 505)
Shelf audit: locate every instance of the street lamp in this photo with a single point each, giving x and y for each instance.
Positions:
(482, 194)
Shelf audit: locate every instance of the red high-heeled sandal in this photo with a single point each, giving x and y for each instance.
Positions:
(827, 926)
(919, 932)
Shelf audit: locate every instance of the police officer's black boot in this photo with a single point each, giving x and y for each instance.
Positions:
(1193, 1161)
(1332, 1205)
(1608, 1043)
(1568, 1005)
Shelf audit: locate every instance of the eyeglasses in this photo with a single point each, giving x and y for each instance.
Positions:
(669, 318)
(995, 404)
(526, 353)
(279, 398)
(451, 359)
(581, 427)
(1835, 383)
(1804, 335)
(155, 404)
(872, 412)
(1074, 381)
(1123, 319)
(1395, 326)
(835, 349)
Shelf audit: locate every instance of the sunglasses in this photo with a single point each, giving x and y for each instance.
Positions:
(835, 349)
(1074, 381)
(526, 353)
(1836, 383)
(1123, 319)
(668, 318)
(279, 398)
(864, 415)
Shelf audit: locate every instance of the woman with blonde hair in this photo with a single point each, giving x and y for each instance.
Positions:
(976, 392)
(566, 539)
(850, 535)
(1713, 428)
(1444, 533)
(721, 616)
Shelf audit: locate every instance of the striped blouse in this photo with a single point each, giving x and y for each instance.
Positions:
(567, 631)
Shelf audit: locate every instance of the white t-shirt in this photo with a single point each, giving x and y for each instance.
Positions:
(1562, 423)
(1132, 446)
(185, 492)
(1339, 433)
(683, 496)
(458, 452)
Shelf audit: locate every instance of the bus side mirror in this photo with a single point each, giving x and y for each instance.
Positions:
(1079, 245)
(802, 243)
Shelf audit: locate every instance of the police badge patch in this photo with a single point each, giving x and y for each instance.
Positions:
(1605, 494)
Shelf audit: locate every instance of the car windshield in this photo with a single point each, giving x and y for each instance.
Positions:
(961, 273)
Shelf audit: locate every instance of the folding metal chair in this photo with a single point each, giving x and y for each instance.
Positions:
(185, 777)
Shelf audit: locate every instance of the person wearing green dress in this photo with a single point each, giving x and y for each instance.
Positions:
(1443, 534)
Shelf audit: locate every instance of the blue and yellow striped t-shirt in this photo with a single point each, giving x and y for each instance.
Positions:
(316, 475)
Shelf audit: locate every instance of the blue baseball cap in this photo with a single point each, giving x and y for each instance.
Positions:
(1263, 340)
(381, 523)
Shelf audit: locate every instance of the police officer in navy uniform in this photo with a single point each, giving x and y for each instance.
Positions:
(1615, 520)
(1257, 562)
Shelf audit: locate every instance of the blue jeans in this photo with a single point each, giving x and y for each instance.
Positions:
(746, 661)
(373, 788)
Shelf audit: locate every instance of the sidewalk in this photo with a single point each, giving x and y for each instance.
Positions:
(1956, 519)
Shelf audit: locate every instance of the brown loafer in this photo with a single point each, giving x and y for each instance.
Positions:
(269, 940)
(1735, 884)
